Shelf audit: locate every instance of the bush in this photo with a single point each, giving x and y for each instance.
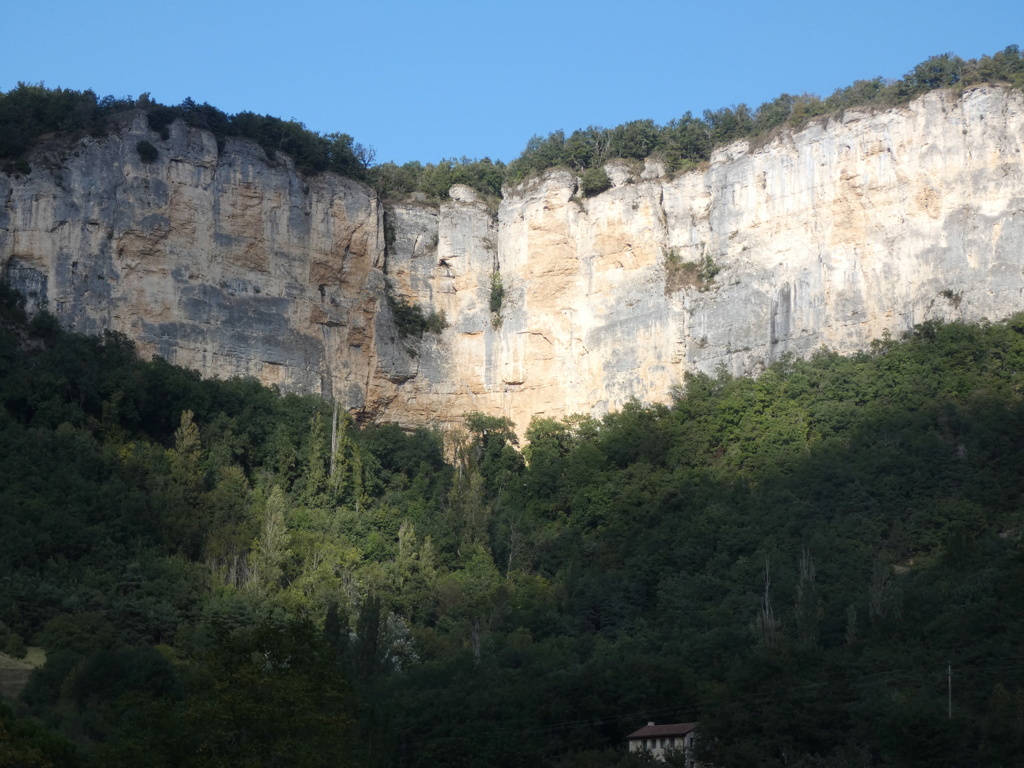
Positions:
(146, 151)
(160, 119)
(681, 274)
(497, 297)
(435, 322)
(411, 320)
(594, 181)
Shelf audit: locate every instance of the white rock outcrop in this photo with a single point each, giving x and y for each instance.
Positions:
(232, 264)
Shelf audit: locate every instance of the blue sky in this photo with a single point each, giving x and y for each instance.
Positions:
(428, 80)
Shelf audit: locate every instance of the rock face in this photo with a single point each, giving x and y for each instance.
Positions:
(220, 261)
(233, 264)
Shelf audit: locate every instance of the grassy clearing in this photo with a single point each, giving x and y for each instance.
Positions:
(14, 673)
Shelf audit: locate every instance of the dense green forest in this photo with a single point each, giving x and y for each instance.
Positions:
(221, 575)
(30, 112)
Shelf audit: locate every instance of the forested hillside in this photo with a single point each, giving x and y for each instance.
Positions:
(221, 575)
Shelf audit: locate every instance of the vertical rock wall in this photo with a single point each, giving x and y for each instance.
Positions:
(825, 237)
(233, 264)
(217, 260)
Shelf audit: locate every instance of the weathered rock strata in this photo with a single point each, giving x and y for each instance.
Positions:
(233, 264)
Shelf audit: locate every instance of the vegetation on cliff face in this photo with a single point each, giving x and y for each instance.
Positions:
(224, 576)
(411, 320)
(681, 274)
(29, 112)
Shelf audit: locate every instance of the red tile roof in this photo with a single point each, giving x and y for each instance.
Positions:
(670, 729)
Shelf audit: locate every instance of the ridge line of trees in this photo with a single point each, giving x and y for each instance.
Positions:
(29, 112)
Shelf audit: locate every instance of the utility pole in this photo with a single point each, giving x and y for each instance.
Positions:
(949, 687)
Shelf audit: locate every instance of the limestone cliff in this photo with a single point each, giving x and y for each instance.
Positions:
(230, 263)
(220, 261)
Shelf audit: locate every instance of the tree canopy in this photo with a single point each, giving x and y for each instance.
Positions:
(222, 575)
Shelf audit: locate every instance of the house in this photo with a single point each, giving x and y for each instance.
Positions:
(658, 739)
